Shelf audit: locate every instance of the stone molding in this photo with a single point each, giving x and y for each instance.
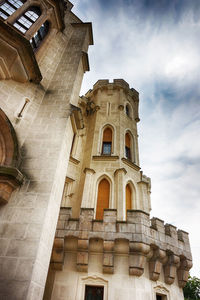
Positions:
(146, 244)
(130, 164)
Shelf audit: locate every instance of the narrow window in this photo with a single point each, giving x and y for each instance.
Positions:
(127, 110)
(128, 197)
(128, 146)
(39, 35)
(102, 198)
(107, 142)
(7, 8)
(93, 292)
(27, 19)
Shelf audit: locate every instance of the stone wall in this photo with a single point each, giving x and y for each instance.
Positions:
(28, 221)
(140, 252)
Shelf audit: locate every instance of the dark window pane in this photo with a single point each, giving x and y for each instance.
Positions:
(106, 148)
(128, 152)
(94, 292)
(127, 111)
(158, 297)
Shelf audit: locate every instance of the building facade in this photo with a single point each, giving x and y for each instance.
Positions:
(74, 213)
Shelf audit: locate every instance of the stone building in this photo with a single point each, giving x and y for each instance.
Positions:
(74, 214)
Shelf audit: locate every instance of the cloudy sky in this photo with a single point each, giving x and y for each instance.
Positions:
(155, 46)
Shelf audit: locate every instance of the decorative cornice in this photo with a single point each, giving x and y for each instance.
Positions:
(105, 157)
(130, 164)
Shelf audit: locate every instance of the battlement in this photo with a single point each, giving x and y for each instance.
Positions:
(117, 83)
(149, 240)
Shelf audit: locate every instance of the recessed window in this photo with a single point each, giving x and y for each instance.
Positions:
(128, 146)
(9, 7)
(107, 142)
(160, 297)
(127, 110)
(102, 198)
(93, 292)
(39, 35)
(27, 19)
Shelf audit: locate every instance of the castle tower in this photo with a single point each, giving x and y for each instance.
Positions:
(106, 246)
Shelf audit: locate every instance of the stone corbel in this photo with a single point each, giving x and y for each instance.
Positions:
(183, 271)
(170, 268)
(108, 257)
(57, 257)
(82, 255)
(155, 263)
(137, 258)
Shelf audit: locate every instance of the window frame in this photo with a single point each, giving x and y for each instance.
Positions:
(105, 142)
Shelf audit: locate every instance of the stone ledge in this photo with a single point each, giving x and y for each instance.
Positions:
(130, 164)
(105, 157)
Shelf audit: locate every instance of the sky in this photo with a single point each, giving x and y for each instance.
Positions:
(155, 46)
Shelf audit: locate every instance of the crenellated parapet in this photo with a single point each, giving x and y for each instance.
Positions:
(150, 241)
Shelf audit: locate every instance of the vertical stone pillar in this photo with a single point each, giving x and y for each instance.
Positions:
(87, 202)
(108, 257)
(82, 255)
(120, 193)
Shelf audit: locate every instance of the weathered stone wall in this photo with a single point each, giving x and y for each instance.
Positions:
(28, 221)
(146, 255)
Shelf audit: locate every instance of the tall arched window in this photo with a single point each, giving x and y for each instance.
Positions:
(128, 146)
(128, 197)
(28, 19)
(107, 141)
(102, 198)
(8, 7)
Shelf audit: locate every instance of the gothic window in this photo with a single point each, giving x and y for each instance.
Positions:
(39, 35)
(28, 19)
(107, 141)
(128, 146)
(8, 7)
(102, 198)
(128, 197)
(94, 292)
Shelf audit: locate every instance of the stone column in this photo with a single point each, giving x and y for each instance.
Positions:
(86, 199)
(120, 193)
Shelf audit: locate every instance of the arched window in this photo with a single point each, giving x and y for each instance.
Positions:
(28, 19)
(127, 110)
(107, 141)
(39, 35)
(8, 7)
(128, 197)
(128, 146)
(102, 198)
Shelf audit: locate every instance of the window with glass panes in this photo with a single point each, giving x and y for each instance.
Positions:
(7, 8)
(27, 19)
(107, 142)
